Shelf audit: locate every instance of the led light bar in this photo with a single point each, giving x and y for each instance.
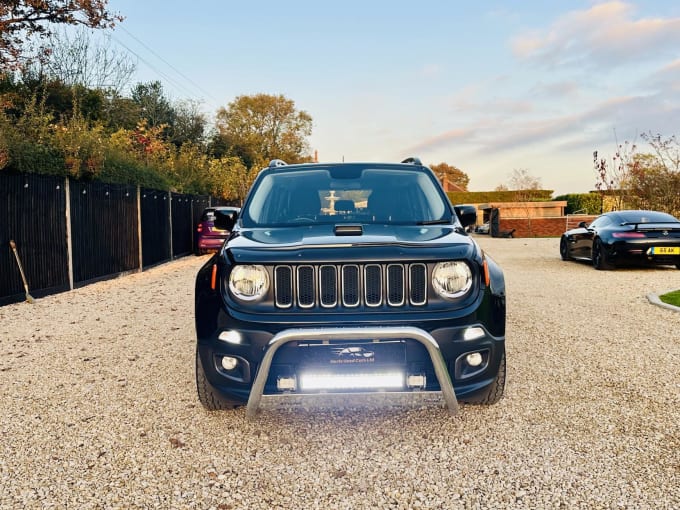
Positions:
(328, 381)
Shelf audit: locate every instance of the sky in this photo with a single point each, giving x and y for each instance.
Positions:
(488, 87)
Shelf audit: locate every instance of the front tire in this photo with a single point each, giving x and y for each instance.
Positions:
(207, 394)
(497, 387)
(564, 249)
(599, 256)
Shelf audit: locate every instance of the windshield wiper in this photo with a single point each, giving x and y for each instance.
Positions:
(434, 222)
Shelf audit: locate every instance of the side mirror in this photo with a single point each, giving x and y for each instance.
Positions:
(225, 219)
(467, 214)
(583, 224)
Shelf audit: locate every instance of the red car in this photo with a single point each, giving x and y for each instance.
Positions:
(208, 237)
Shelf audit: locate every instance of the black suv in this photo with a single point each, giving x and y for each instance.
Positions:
(349, 280)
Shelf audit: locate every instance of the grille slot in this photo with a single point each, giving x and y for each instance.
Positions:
(395, 284)
(305, 286)
(373, 285)
(283, 286)
(350, 285)
(328, 286)
(418, 284)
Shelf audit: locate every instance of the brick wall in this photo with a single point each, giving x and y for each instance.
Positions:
(541, 227)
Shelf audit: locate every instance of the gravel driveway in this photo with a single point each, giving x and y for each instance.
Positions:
(98, 407)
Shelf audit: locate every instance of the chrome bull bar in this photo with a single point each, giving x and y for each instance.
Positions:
(357, 333)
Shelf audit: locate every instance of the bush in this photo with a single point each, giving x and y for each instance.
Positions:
(585, 203)
(483, 197)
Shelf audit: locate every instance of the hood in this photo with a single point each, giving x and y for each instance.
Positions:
(320, 241)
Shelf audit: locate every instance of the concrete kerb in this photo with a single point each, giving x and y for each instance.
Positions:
(654, 299)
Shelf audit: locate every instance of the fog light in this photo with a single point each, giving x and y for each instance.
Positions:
(286, 384)
(416, 381)
(474, 359)
(473, 333)
(229, 363)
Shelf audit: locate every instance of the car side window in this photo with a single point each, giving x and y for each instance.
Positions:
(599, 222)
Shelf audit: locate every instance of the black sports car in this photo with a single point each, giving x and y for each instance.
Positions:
(625, 238)
(349, 280)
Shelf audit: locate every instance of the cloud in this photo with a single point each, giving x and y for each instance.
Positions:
(628, 116)
(474, 98)
(666, 79)
(555, 90)
(605, 34)
(441, 140)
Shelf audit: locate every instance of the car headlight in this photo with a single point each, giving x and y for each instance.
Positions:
(248, 283)
(451, 279)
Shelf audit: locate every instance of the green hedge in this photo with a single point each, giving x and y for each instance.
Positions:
(588, 203)
(484, 197)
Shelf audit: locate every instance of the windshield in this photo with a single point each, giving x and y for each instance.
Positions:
(646, 217)
(346, 194)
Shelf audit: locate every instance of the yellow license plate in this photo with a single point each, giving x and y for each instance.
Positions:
(665, 250)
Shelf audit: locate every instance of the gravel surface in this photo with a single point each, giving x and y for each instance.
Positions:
(98, 407)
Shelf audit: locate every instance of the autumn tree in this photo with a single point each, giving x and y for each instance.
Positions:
(24, 22)
(453, 174)
(654, 179)
(264, 127)
(230, 179)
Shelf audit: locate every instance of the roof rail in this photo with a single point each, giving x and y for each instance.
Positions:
(413, 161)
(276, 163)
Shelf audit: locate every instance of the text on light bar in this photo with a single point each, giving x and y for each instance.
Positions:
(327, 381)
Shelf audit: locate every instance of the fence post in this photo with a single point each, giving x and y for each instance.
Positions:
(139, 227)
(69, 241)
(170, 218)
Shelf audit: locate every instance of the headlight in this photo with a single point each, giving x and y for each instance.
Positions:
(248, 283)
(451, 279)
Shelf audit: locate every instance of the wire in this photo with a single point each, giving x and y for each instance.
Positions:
(168, 63)
(153, 68)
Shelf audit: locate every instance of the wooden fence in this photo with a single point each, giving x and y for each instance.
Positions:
(70, 233)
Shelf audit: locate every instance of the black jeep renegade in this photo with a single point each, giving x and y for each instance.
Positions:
(349, 280)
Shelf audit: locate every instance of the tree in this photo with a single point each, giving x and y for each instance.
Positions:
(22, 21)
(654, 179)
(264, 127)
(667, 150)
(525, 188)
(613, 176)
(153, 105)
(189, 123)
(524, 183)
(453, 174)
(230, 179)
(120, 112)
(79, 60)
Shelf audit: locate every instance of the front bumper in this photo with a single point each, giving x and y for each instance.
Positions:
(348, 334)
(436, 348)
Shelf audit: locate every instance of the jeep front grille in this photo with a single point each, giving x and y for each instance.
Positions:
(350, 285)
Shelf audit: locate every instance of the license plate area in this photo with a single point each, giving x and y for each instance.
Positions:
(337, 354)
(356, 365)
(664, 250)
